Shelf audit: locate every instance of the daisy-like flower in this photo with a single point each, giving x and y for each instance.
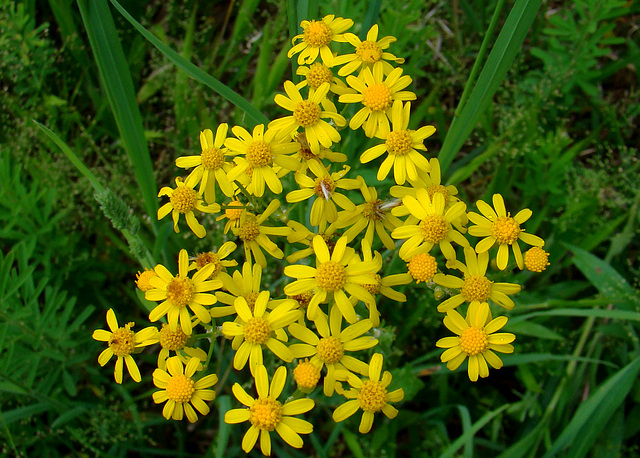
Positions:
(329, 349)
(374, 215)
(324, 188)
(401, 145)
(232, 214)
(183, 200)
(266, 413)
(475, 287)
(369, 395)
(318, 73)
(377, 94)
(256, 236)
(217, 259)
(257, 328)
(142, 279)
(306, 375)
(307, 114)
(536, 259)
(367, 53)
(244, 284)
(316, 38)
(211, 165)
(422, 267)
(181, 292)
(301, 234)
(122, 342)
(334, 274)
(434, 226)
(306, 155)
(476, 338)
(181, 392)
(498, 227)
(176, 341)
(262, 151)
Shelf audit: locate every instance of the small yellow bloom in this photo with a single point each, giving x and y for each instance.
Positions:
(122, 342)
(211, 166)
(422, 267)
(377, 94)
(316, 38)
(232, 214)
(179, 292)
(367, 53)
(142, 279)
(176, 341)
(307, 114)
(217, 259)
(183, 200)
(369, 395)
(498, 227)
(180, 392)
(476, 339)
(329, 349)
(475, 287)
(244, 284)
(536, 259)
(306, 375)
(318, 73)
(267, 414)
(305, 155)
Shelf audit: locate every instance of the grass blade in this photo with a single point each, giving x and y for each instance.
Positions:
(196, 73)
(116, 80)
(506, 47)
(469, 433)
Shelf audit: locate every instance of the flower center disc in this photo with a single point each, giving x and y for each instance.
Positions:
(505, 230)
(180, 388)
(324, 187)
(207, 258)
(172, 340)
(266, 414)
(438, 188)
(473, 340)
(422, 267)
(331, 276)
(318, 74)
(372, 397)
(184, 199)
(257, 331)
(121, 341)
(373, 288)
(369, 52)
(306, 113)
(330, 350)
(536, 259)
(372, 211)
(259, 154)
(399, 143)
(249, 231)
(251, 299)
(476, 288)
(306, 375)
(180, 291)
(317, 34)
(377, 97)
(212, 158)
(434, 228)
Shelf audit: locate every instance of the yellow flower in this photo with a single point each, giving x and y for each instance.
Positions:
(142, 279)
(256, 236)
(536, 259)
(329, 350)
(232, 214)
(369, 395)
(176, 341)
(377, 94)
(211, 165)
(374, 215)
(475, 287)
(245, 284)
(422, 267)
(306, 375)
(307, 114)
(267, 414)
(179, 292)
(183, 200)
(122, 342)
(401, 145)
(301, 234)
(367, 53)
(306, 155)
(257, 328)
(476, 339)
(181, 392)
(434, 226)
(318, 73)
(217, 259)
(334, 275)
(324, 188)
(316, 37)
(498, 227)
(262, 151)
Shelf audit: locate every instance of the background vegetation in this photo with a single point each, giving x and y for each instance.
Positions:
(559, 136)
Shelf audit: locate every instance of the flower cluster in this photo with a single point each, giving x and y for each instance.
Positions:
(322, 321)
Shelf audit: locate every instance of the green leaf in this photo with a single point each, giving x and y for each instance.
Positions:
(506, 47)
(224, 429)
(408, 380)
(529, 328)
(194, 72)
(118, 85)
(353, 443)
(592, 415)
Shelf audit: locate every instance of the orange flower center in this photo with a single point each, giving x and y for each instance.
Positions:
(374, 288)
(266, 414)
(306, 375)
(180, 388)
(438, 188)
(505, 230)
(536, 259)
(207, 258)
(184, 199)
(377, 97)
(422, 267)
(473, 340)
